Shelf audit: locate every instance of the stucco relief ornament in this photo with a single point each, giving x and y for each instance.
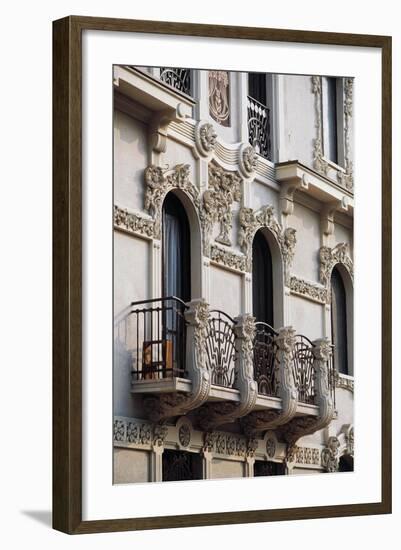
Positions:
(248, 160)
(205, 138)
(330, 455)
(224, 189)
(270, 447)
(133, 223)
(159, 435)
(209, 441)
(251, 221)
(119, 430)
(309, 290)
(319, 163)
(159, 182)
(184, 435)
(346, 178)
(329, 257)
(227, 258)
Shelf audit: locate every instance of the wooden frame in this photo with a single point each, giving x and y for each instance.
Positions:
(67, 279)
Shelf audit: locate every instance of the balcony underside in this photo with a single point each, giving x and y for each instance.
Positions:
(217, 394)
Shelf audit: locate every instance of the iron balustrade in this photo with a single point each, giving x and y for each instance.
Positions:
(220, 347)
(259, 127)
(180, 79)
(303, 369)
(158, 331)
(332, 375)
(265, 359)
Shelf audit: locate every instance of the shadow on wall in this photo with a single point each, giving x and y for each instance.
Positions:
(40, 516)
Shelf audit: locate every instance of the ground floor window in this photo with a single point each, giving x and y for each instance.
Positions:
(267, 468)
(181, 466)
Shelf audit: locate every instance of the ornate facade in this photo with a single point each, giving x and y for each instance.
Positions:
(231, 360)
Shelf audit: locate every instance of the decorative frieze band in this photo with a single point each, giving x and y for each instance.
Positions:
(311, 291)
(133, 223)
(306, 455)
(227, 258)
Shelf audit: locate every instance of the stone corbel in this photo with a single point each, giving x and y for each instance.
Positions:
(160, 408)
(259, 421)
(287, 191)
(328, 212)
(216, 414)
(158, 127)
(306, 425)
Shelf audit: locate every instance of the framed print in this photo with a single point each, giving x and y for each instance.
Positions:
(222, 275)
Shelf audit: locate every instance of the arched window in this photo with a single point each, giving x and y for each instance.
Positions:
(176, 250)
(262, 280)
(339, 322)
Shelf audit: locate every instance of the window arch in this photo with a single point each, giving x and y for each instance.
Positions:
(176, 251)
(339, 322)
(262, 280)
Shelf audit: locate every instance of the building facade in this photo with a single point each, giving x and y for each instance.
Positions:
(233, 274)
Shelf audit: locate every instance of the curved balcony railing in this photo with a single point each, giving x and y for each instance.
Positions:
(304, 369)
(259, 127)
(265, 359)
(220, 346)
(159, 330)
(180, 79)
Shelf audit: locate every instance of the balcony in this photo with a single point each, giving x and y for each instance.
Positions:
(259, 127)
(180, 79)
(186, 357)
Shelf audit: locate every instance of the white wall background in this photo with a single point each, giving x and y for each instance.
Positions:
(25, 289)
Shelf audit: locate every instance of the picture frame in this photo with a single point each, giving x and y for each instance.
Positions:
(68, 294)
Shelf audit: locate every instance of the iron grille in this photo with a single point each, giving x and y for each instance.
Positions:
(157, 330)
(259, 127)
(264, 359)
(304, 369)
(180, 79)
(220, 346)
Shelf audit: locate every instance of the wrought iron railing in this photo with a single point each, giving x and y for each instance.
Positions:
(158, 332)
(220, 346)
(303, 366)
(180, 79)
(332, 376)
(259, 127)
(265, 359)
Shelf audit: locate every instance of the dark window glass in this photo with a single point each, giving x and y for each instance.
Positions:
(257, 87)
(176, 250)
(262, 280)
(330, 119)
(181, 466)
(339, 322)
(346, 464)
(268, 469)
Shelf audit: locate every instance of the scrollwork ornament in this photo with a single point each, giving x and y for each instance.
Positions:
(205, 138)
(330, 455)
(248, 160)
(329, 257)
(270, 447)
(184, 435)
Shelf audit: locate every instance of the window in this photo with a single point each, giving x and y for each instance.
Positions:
(176, 249)
(332, 123)
(339, 322)
(262, 279)
(259, 113)
(268, 468)
(181, 466)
